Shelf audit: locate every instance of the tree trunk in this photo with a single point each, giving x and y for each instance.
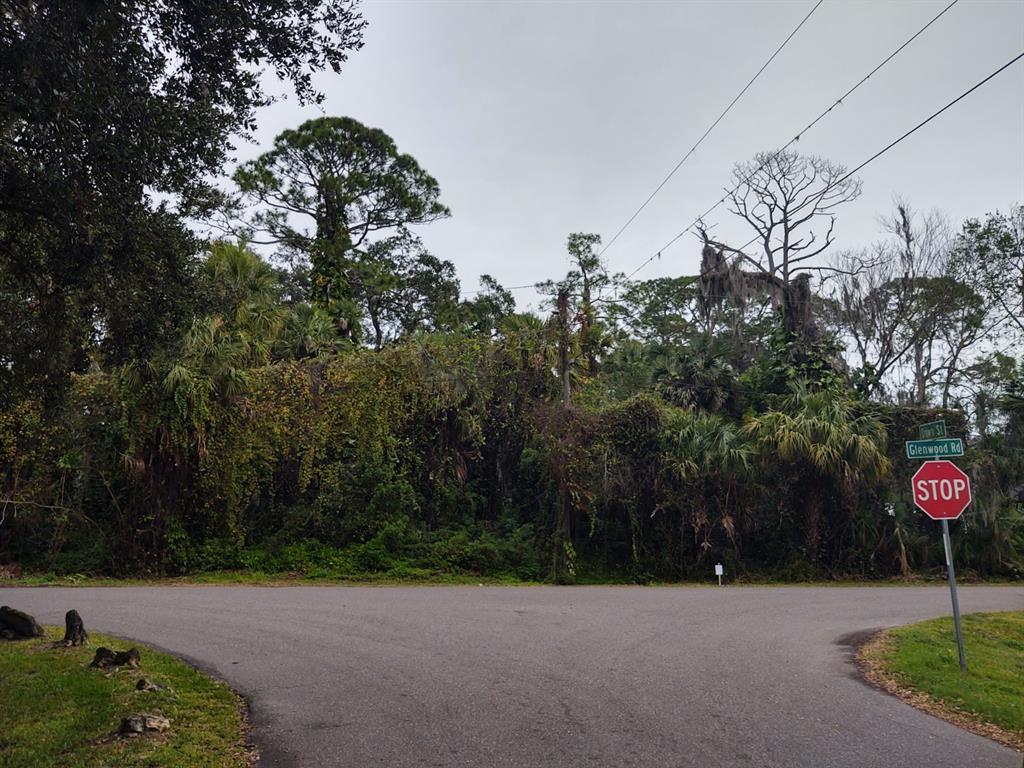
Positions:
(74, 629)
(920, 375)
(796, 309)
(904, 561)
(812, 521)
(563, 346)
(378, 334)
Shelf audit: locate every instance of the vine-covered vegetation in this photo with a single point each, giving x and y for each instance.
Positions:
(449, 454)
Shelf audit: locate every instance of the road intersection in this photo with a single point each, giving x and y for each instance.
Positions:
(549, 676)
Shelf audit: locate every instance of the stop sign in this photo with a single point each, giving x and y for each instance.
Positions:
(941, 490)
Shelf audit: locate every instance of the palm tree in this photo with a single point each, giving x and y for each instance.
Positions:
(697, 378)
(308, 332)
(710, 457)
(823, 444)
(528, 341)
(219, 349)
(233, 276)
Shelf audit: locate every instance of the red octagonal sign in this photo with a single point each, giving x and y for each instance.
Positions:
(941, 490)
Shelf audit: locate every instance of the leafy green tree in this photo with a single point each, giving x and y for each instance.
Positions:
(875, 296)
(326, 192)
(738, 308)
(241, 325)
(658, 311)
(308, 332)
(994, 541)
(530, 341)
(180, 78)
(294, 282)
(105, 104)
(581, 305)
(992, 252)
(486, 312)
(591, 282)
(402, 289)
(627, 370)
(71, 299)
(696, 377)
(232, 278)
(950, 319)
(711, 458)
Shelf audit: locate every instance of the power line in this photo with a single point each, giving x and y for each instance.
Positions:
(796, 138)
(866, 77)
(504, 288)
(917, 127)
(709, 130)
(871, 159)
(927, 120)
(800, 133)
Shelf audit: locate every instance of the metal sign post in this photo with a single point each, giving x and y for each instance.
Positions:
(943, 491)
(952, 591)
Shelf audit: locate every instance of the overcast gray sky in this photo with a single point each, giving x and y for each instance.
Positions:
(544, 118)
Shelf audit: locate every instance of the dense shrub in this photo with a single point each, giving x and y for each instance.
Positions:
(446, 456)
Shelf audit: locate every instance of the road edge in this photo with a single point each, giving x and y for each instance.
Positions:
(254, 751)
(866, 659)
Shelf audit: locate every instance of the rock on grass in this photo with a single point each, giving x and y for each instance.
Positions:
(106, 658)
(143, 722)
(18, 625)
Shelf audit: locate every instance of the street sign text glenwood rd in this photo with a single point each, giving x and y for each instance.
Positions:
(933, 449)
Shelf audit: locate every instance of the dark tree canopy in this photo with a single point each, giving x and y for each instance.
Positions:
(105, 104)
(656, 310)
(992, 252)
(119, 97)
(402, 289)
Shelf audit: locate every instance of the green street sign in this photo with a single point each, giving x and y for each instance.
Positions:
(931, 430)
(935, 449)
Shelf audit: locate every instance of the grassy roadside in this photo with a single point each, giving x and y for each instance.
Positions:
(428, 578)
(258, 578)
(57, 711)
(919, 664)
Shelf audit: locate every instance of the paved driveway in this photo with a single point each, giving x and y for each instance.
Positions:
(549, 676)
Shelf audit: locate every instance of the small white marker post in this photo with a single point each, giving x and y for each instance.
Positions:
(719, 570)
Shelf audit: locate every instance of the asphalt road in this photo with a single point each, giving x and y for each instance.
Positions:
(549, 676)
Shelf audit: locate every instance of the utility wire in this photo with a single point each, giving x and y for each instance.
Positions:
(866, 77)
(799, 134)
(709, 130)
(862, 165)
(504, 288)
(913, 130)
(927, 120)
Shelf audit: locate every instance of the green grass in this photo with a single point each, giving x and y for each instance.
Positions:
(923, 658)
(426, 577)
(57, 711)
(262, 578)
